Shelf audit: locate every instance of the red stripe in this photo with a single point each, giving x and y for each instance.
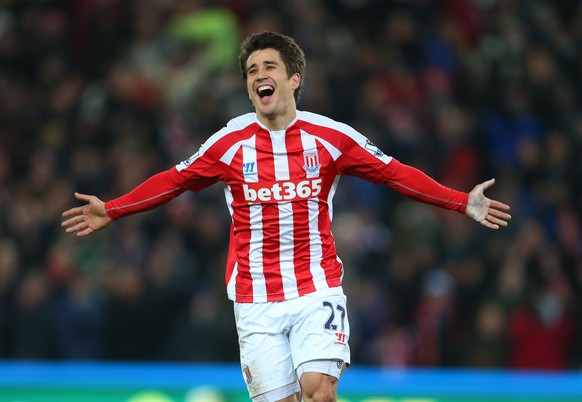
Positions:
(331, 267)
(240, 240)
(271, 229)
(329, 263)
(301, 247)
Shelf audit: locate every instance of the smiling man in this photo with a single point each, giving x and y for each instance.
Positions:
(272, 86)
(280, 168)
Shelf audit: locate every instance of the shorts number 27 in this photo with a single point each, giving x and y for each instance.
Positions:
(329, 324)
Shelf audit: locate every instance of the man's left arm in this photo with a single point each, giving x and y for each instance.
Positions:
(417, 185)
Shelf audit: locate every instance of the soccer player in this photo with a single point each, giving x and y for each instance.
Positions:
(280, 169)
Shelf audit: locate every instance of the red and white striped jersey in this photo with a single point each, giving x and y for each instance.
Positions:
(279, 187)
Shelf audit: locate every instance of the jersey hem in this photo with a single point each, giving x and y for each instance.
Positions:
(268, 298)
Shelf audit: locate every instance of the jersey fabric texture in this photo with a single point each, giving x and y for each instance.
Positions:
(279, 187)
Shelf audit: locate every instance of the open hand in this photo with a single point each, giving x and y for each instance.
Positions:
(489, 213)
(88, 218)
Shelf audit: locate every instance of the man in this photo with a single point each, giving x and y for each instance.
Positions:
(280, 168)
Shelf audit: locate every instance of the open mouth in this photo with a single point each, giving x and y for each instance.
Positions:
(265, 91)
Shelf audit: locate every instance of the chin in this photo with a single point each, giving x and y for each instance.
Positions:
(267, 111)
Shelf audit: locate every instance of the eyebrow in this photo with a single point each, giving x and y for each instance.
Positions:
(266, 62)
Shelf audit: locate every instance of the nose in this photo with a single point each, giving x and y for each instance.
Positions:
(261, 77)
(262, 73)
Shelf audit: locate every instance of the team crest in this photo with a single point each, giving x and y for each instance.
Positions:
(311, 162)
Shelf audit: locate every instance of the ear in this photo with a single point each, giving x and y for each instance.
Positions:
(295, 81)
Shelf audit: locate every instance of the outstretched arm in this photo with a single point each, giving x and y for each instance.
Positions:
(415, 184)
(489, 213)
(96, 214)
(88, 218)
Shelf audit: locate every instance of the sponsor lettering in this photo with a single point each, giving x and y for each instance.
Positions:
(282, 190)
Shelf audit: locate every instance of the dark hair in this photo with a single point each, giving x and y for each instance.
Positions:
(290, 52)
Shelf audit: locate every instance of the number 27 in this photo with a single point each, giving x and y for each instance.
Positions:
(329, 323)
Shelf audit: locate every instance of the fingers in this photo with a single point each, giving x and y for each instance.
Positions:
(72, 221)
(499, 205)
(76, 221)
(496, 216)
(85, 232)
(77, 225)
(499, 214)
(72, 212)
(78, 210)
(489, 225)
(80, 219)
(496, 219)
(492, 222)
(77, 228)
(495, 222)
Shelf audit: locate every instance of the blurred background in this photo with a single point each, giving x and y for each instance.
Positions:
(97, 95)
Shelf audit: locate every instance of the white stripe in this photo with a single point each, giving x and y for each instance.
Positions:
(315, 244)
(255, 226)
(341, 128)
(231, 152)
(235, 124)
(331, 195)
(256, 253)
(206, 145)
(334, 152)
(315, 248)
(286, 239)
(231, 285)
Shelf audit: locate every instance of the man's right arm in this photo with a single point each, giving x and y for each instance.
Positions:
(96, 214)
(153, 192)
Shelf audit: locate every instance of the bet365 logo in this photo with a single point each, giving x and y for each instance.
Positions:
(282, 190)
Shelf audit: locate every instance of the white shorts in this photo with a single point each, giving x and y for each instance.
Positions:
(275, 338)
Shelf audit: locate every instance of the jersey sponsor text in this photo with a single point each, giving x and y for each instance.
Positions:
(290, 190)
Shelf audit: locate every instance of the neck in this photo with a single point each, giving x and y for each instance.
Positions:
(277, 123)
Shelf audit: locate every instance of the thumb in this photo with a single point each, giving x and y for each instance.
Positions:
(82, 197)
(486, 184)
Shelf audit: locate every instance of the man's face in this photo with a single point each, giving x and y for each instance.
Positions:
(269, 87)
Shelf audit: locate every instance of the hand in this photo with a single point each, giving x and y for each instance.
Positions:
(487, 212)
(88, 218)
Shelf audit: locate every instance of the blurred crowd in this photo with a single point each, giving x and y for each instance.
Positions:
(97, 95)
